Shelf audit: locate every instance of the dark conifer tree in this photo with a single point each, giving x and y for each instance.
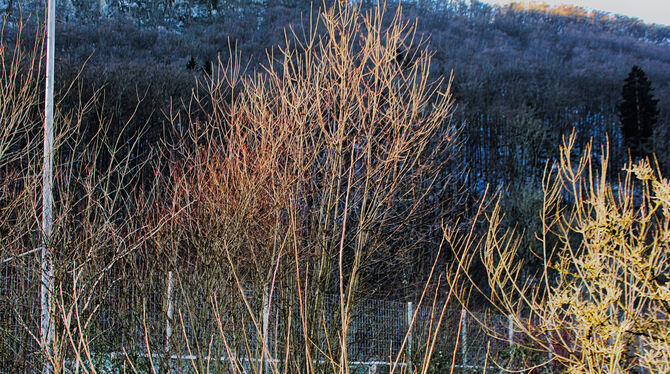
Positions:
(191, 64)
(207, 67)
(637, 112)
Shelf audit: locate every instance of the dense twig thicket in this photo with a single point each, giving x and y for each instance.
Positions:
(318, 181)
(601, 303)
(524, 74)
(245, 234)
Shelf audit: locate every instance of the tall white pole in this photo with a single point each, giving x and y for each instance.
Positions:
(46, 287)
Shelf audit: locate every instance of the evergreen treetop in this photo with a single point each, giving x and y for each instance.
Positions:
(637, 112)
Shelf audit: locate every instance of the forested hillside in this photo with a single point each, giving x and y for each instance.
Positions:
(523, 76)
(275, 187)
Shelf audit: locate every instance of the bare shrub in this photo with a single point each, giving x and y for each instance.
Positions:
(254, 237)
(100, 202)
(320, 177)
(600, 304)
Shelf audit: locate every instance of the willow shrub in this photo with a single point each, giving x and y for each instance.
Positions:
(314, 183)
(316, 179)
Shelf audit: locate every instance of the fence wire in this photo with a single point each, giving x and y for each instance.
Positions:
(132, 315)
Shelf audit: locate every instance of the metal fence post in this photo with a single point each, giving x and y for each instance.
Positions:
(464, 338)
(551, 345)
(410, 328)
(47, 309)
(510, 331)
(265, 355)
(169, 312)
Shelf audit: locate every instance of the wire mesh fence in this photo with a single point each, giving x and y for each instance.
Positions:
(19, 315)
(225, 331)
